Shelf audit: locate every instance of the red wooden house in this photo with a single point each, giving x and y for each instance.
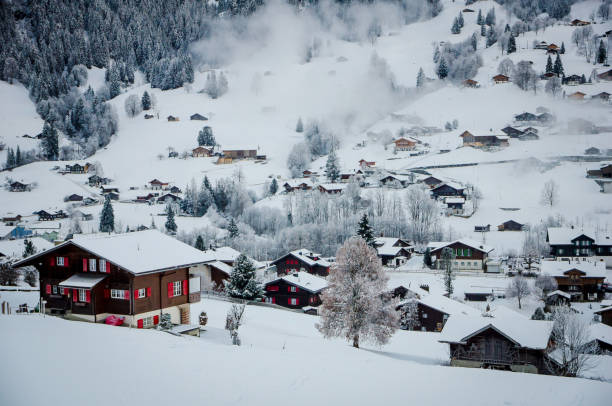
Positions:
(301, 260)
(296, 290)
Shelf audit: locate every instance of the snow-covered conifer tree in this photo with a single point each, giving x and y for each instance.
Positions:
(146, 101)
(170, 223)
(332, 171)
(420, 80)
(446, 260)
(365, 230)
(299, 127)
(242, 282)
(199, 243)
(232, 229)
(354, 304)
(442, 70)
(107, 217)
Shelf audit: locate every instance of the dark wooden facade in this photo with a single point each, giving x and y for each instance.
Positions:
(510, 225)
(429, 319)
(444, 190)
(491, 349)
(289, 295)
(606, 315)
(581, 246)
(291, 263)
(580, 286)
(463, 252)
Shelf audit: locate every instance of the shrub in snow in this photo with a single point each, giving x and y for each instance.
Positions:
(354, 304)
(409, 319)
(133, 106)
(165, 322)
(233, 321)
(538, 314)
(8, 276)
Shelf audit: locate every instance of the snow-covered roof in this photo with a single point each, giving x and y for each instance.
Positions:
(454, 185)
(527, 333)
(558, 268)
(603, 309)
(14, 248)
(454, 200)
(446, 305)
(601, 332)
(298, 181)
(560, 293)
(435, 245)
(565, 235)
(305, 281)
(137, 252)
(222, 266)
(83, 280)
(308, 257)
(385, 246)
(415, 263)
(226, 254)
(333, 186)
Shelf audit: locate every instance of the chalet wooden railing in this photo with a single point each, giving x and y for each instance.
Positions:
(508, 358)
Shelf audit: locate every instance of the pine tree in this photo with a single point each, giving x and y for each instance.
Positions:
(146, 101)
(511, 45)
(232, 229)
(273, 187)
(562, 51)
(474, 41)
(490, 18)
(436, 55)
(299, 127)
(427, 258)
(18, 158)
(206, 137)
(107, 217)
(602, 53)
(558, 68)
(483, 30)
(10, 158)
(507, 28)
(538, 314)
(455, 29)
(365, 231)
(549, 65)
(479, 19)
(331, 167)
(199, 243)
(50, 142)
(28, 248)
(420, 81)
(491, 36)
(460, 20)
(242, 282)
(446, 260)
(442, 70)
(170, 223)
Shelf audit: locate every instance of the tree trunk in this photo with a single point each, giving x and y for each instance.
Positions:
(356, 341)
(519, 300)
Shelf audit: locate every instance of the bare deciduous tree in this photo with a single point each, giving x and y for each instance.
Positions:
(550, 193)
(354, 304)
(518, 288)
(233, 321)
(422, 214)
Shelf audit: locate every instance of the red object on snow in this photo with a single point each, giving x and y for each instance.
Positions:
(114, 320)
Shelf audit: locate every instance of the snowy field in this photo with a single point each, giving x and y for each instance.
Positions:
(282, 356)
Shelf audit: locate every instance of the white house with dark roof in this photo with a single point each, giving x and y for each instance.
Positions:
(469, 255)
(393, 251)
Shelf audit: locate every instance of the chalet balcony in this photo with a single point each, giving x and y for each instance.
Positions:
(194, 297)
(508, 358)
(194, 290)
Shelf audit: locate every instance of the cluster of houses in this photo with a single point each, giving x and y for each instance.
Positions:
(603, 177)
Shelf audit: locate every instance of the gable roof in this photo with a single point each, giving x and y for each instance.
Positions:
(559, 268)
(304, 280)
(83, 280)
(601, 332)
(533, 334)
(444, 305)
(559, 293)
(138, 252)
(307, 257)
(221, 266)
(436, 245)
(386, 246)
(565, 235)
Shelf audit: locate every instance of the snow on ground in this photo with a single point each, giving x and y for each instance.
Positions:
(282, 357)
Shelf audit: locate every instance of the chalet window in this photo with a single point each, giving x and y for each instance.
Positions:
(292, 289)
(59, 261)
(82, 295)
(272, 288)
(55, 289)
(462, 263)
(560, 251)
(92, 265)
(102, 265)
(117, 294)
(177, 288)
(142, 293)
(424, 315)
(147, 322)
(293, 301)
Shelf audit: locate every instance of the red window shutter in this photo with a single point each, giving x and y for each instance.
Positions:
(88, 296)
(106, 293)
(156, 319)
(148, 292)
(273, 300)
(107, 267)
(135, 294)
(288, 288)
(52, 261)
(297, 301)
(75, 295)
(65, 261)
(48, 289)
(185, 288)
(140, 323)
(170, 289)
(84, 264)
(297, 289)
(126, 294)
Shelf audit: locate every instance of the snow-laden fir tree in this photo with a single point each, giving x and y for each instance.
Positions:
(455, 29)
(206, 137)
(479, 19)
(165, 321)
(427, 258)
(232, 229)
(409, 319)
(420, 80)
(28, 248)
(299, 127)
(442, 70)
(549, 65)
(242, 282)
(558, 68)
(107, 217)
(354, 304)
(146, 101)
(474, 41)
(511, 45)
(602, 53)
(491, 36)
(365, 230)
(332, 170)
(436, 54)
(490, 18)
(18, 158)
(50, 142)
(460, 20)
(538, 314)
(273, 187)
(170, 223)
(199, 243)
(562, 50)
(483, 30)
(446, 262)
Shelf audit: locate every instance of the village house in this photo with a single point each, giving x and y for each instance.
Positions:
(394, 180)
(301, 260)
(500, 79)
(552, 49)
(172, 118)
(46, 216)
(201, 152)
(600, 335)
(434, 310)
(11, 220)
(468, 255)
(529, 134)
(541, 45)
(148, 198)
(603, 96)
(218, 265)
(454, 205)
(581, 279)
(525, 117)
(579, 23)
(331, 188)
(482, 229)
(510, 225)
(605, 75)
(95, 181)
(605, 314)
(74, 198)
(558, 298)
(592, 151)
(296, 290)
(366, 164)
(392, 251)
(292, 185)
(198, 117)
(447, 189)
(470, 83)
(405, 144)
(77, 168)
(512, 132)
(307, 173)
(77, 214)
(136, 276)
(572, 80)
(545, 118)
(470, 140)
(156, 184)
(148, 116)
(19, 187)
(14, 232)
(432, 181)
(577, 96)
(510, 343)
(570, 244)
(168, 197)
(240, 153)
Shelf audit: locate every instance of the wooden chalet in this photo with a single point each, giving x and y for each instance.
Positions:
(95, 181)
(240, 153)
(454, 205)
(74, 198)
(512, 132)
(296, 290)
(19, 187)
(46, 216)
(468, 254)
(605, 314)
(157, 184)
(11, 220)
(172, 118)
(482, 229)
(579, 23)
(202, 152)
(218, 266)
(582, 280)
(470, 140)
(603, 172)
(148, 198)
(576, 96)
(168, 197)
(601, 335)
(433, 310)
(331, 188)
(137, 276)
(198, 117)
(404, 144)
(77, 168)
(508, 343)
(500, 79)
(175, 190)
(392, 251)
(572, 80)
(603, 96)
(569, 244)
(605, 75)
(301, 260)
(592, 151)
(366, 164)
(552, 49)
(470, 83)
(510, 225)
(526, 117)
(293, 185)
(558, 298)
(148, 116)
(448, 189)
(432, 181)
